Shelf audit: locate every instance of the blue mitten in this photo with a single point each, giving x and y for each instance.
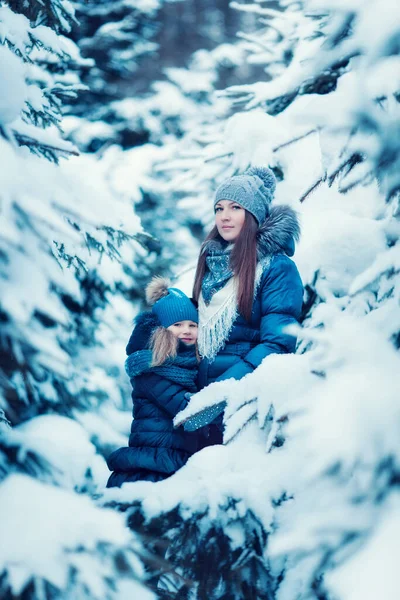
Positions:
(204, 417)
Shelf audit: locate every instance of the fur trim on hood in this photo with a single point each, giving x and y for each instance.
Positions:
(279, 232)
(145, 323)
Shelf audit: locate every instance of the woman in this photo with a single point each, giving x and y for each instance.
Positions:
(162, 365)
(247, 288)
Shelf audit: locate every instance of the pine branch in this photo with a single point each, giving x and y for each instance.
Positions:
(218, 156)
(311, 189)
(25, 140)
(296, 139)
(274, 27)
(349, 162)
(258, 10)
(254, 40)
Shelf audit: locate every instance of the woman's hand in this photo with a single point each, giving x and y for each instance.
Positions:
(204, 417)
(204, 406)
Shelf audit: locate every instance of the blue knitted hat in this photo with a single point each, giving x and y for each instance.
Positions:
(170, 305)
(254, 190)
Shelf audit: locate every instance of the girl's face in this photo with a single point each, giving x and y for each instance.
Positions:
(186, 331)
(229, 219)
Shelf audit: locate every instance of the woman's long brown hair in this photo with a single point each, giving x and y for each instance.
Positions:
(243, 264)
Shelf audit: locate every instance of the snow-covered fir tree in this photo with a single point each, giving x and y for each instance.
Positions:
(114, 38)
(302, 501)
(66, 243)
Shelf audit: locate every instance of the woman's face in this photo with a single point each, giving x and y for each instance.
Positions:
(229, 219)
(186, 331)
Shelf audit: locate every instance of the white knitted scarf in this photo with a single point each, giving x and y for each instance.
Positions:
(216, 320)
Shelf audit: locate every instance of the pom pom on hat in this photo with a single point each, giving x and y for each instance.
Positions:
(266, 176)
(156, 289)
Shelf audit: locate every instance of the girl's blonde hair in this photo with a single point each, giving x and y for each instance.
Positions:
(164, 344)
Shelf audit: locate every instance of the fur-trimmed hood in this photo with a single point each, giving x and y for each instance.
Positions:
(145, 323)
(277, 234)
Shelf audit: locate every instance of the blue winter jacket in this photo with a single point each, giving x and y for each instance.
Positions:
(156, 449)
(277, 303)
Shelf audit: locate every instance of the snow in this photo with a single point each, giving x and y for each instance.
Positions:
(105, 428)
(14, 27)
(228, 54)
(145, 6)
(380, 81)
(12, 75)
(361, 366)
(209, 479)
(333, 244)
(192, 82)
(373, 571)
(17, 29)
(374, 30)
(384, 262)
(48, 137)
(57, 193)
(84, 131)
(64, 443)
(49, 552)
(130, 171)
(251, 137)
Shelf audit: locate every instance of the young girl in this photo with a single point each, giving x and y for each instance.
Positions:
(247, 287)
(162, 365)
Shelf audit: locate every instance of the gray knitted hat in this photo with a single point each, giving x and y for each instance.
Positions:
(254, 190)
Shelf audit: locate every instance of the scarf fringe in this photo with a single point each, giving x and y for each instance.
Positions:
(214, 331)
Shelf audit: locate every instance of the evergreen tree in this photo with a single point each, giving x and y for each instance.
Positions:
(114, 38)
(66, 288)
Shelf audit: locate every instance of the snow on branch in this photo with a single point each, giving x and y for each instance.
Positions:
(94, 546)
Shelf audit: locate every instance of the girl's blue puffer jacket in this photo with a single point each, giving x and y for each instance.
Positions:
(156, 449)
(277, 303)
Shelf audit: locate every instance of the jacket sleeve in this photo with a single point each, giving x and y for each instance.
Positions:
(167, 395)
(281, 303)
